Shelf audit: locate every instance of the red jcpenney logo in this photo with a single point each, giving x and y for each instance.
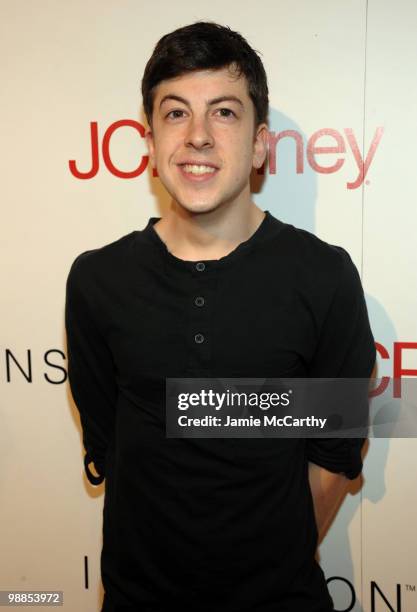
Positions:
(399, 371)
(344, 144)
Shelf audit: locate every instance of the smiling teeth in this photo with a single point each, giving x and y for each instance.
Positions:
(198, 169)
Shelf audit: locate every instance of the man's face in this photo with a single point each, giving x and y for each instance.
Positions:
(203, 142)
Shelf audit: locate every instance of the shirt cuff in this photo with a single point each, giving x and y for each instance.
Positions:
(337, 455)
(95, 480)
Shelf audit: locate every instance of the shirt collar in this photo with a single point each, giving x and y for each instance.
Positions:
(210, 265)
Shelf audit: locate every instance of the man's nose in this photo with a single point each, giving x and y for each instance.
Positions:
(199, 134)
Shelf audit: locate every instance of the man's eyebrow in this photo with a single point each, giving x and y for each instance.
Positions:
(226, 99)
(209, 103)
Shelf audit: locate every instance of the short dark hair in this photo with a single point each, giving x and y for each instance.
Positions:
(205, 45)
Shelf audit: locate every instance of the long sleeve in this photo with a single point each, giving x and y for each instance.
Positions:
(346, 349)
(90, 368)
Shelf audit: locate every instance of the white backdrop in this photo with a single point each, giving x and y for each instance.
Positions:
(339, 74)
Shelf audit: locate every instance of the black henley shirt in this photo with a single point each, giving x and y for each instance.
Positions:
(209, 525)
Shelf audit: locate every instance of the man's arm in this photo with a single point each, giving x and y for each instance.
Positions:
(91, 370)
(328, 488)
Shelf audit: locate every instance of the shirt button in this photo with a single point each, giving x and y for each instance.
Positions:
(199, 338)
(200, 266)
(199, 301)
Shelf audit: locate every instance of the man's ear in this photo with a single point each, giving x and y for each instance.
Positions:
(151, 145)
(260, 145)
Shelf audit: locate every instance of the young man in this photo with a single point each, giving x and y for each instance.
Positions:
(216, 288)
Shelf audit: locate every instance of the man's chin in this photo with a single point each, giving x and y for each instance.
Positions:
(199, 207)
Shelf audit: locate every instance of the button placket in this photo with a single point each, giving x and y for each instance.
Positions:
(201, 290)
(200, 266)
(199, 300)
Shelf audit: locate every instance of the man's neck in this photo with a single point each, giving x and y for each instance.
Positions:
(206, 236)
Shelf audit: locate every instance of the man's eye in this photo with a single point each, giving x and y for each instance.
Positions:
(175, 114)
(226, 112)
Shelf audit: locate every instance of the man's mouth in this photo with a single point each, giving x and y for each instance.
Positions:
(197, 173)
(197, 169)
